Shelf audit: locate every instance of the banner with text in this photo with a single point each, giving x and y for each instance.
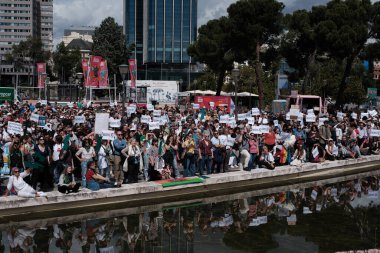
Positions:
(133, 72)
(41, 72)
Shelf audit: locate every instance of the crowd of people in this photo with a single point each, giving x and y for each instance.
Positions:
(189, 142)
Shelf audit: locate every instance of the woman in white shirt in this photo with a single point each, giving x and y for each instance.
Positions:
(84, 155)
(103, 158)
(20, 186)
(134, 156)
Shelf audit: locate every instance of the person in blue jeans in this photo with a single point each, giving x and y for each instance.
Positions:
(205, 153)
(95, 181)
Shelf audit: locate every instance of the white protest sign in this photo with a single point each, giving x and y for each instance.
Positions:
(340, 115)
(264, 129)
(354, 115)
(310, 111)
(334, 192)
(145, 119)
(300, 117)
(154, 125)
(375, 132)
(242, 116)
(292, 219)
(15, 128)
(115, 123)
(131, 109)
(34, 117)
(157, 113)
(44, 102)
(363, 114)
(310, 118)
(318, 207)
(373, 113)
(224, 119)
(255, 112)
(321, 121)
(288, 116)
(79, 119)
(373, 194)
(306, 210)
(254, 223)
(196, 106)
(275, 122)
(101, 122)
(265, 121)
(251, 120)
(228, 220)
(263, 219)
(256, 130)
(70, 105)
(163, 120)
(314, 194)
(231, 121)
(294, 112)
(150, 107)
(108, 135)
(212, 105)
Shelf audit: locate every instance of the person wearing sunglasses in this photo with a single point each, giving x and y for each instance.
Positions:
(16, 181)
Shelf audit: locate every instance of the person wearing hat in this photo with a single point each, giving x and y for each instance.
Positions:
(331, 150)
(16, 181)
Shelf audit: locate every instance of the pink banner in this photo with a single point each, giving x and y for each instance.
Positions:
(103, 74)
(133, 72)
(41, 72)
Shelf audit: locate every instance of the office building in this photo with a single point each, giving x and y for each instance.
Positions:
(161, 30)
(84, 33)
(20, 19)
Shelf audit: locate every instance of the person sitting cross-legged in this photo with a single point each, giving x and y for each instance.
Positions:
(67, 182)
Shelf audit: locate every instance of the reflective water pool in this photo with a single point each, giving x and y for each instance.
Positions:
(327, 217)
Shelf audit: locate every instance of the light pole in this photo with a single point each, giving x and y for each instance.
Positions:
(180, 83)
(47, 82)
(79, 88)
(123, 69)
(235, 75)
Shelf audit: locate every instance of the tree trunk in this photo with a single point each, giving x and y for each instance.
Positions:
(220, 81)
(343, 82)
(258, 77)
(310, 63)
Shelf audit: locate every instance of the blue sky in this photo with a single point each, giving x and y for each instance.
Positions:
(91, 12)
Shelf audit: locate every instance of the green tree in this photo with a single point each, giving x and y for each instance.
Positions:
(66, 62)
(214, 49)
(255, 23)
(109, 42)
(27, 53)
(346, 28)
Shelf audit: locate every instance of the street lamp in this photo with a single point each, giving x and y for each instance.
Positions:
(71, 80)
(180, 83)
(123, 69)
(79, 79)
(236, 76)
(47, 82)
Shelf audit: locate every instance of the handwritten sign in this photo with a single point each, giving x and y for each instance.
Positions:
(150, 107)
(310, 118)
(256, 130)
(34, 117)
(131, 109)
(145, 119)
(354, 115)
(101, 122)
(196, 106)
(375, 132)
(306, 210)
(224, 119)
(310, 111)
(15, 128)
(264, 129)
(154, 125)
(79, 119)
(314, 194)
(108, 135)
(255, 111)
(275, 122)
(251, 120)
(340, 115)
(243, 116)
(157, 113)
(373, 113)
(115, 123)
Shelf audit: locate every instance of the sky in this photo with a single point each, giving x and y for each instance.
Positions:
(91, 12)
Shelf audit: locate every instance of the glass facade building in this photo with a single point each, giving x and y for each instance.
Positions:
(161, 30)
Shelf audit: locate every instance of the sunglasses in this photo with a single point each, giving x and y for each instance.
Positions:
(16, 171)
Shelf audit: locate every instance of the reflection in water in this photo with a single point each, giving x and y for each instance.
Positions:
(327, 218)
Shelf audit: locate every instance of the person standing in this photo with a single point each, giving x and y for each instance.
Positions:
(205, 154)
(119, 144)
(134, 156)
(42, 163)
(189, 146)
(85, 154)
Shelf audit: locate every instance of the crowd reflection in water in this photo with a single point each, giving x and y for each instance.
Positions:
(182, 225)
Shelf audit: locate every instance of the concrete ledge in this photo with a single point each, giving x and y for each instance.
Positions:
(148, 193)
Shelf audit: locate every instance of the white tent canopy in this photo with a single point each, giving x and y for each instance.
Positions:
(213, 93)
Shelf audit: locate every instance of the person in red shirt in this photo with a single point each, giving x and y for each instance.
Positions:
(95, 181)
(270, 139)
(205, 153)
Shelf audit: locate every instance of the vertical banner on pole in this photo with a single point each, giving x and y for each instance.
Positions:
(85, 71)
(94, 67)
(103, 74)
(41, 69)
(133, 72)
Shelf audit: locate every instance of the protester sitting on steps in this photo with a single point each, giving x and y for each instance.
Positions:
(94, 181)
(16, 182)
(67, 182)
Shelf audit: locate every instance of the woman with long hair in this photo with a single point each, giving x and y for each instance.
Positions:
(85, 154)
(66, 183)
(134, 156)
(41, 173)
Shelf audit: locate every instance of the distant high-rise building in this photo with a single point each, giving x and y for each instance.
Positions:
(161, 30)
(20, 19)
